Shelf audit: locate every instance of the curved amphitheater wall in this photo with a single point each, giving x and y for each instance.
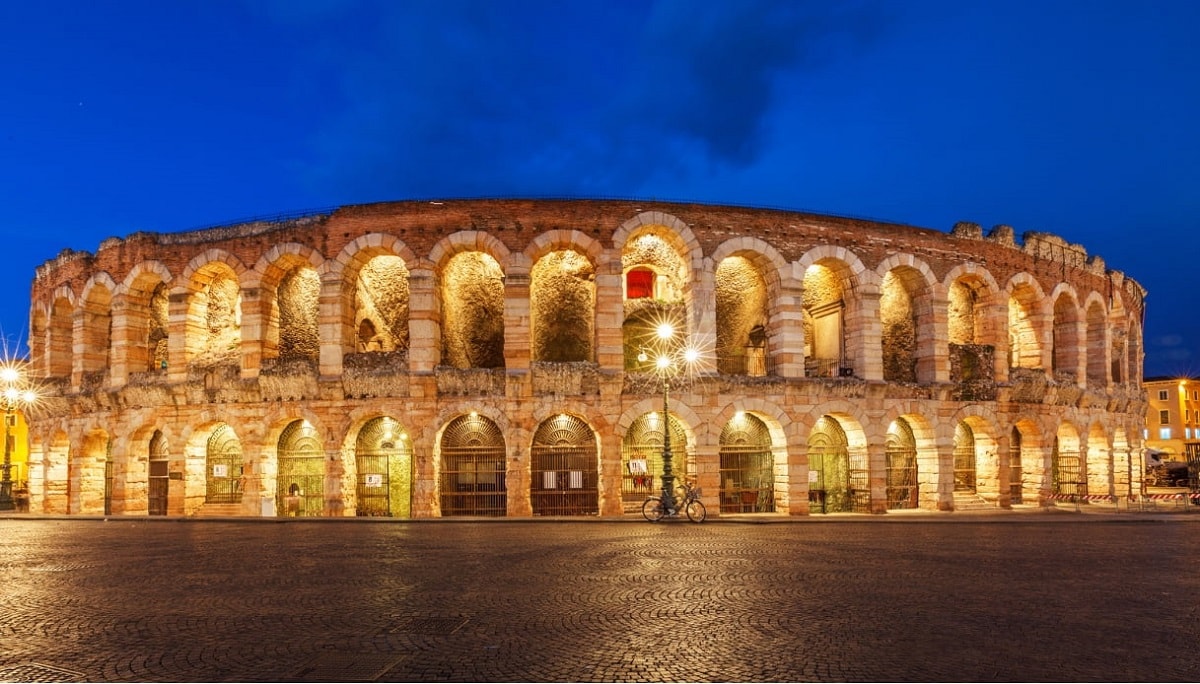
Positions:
(496, 357)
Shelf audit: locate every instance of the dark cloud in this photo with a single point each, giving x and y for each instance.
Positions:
(498, 98)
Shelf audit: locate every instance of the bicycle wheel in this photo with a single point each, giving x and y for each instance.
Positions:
(652, 509)
(696, 511)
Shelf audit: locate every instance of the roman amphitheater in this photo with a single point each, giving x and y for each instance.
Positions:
(501, 358)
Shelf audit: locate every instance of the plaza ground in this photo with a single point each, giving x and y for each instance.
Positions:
(1041, 596)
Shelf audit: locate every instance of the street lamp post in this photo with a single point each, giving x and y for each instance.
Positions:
(669, 361)
(14, 394)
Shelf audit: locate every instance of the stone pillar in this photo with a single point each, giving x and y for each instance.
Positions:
(516, 481)
(425, 502)
(785, 334)
(123, 348)
(517, 324)
(180, 331)
(610, 313)
(424, 323)
(864, 336)
(933, 337)
(706, 464)
(995, 333)
(334, 316)
(253, 331)
(944, 499)
(877, 475)
(78, 346)
(612, 474)
(702, 303)
(1003, 461)
(797, 479)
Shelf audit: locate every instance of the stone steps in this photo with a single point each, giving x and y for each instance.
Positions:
(970, 501)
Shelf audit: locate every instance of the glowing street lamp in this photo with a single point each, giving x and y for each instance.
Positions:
(669, 362)
(15, 393)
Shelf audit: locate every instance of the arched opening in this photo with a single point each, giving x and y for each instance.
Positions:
(381, 305)
(472, 312)
(742, 315)
(900, 324)
(383, 463)
(562, 302)
(645, 255)
(214, 320)
(1066, 462)
(747, 466)
(835, 485)
(292, 331)
(223, 467)
(964, 458)
(1097, 347)
(97, 330)
(1066, 343)
(300, 485)
(1024, 341)
(62, 339)
(824, 323)
(564, 461)
(158, 476)
(642, 457)
(903, 487)
(473, 476)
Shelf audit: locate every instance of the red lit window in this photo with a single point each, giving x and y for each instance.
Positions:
(639, 283)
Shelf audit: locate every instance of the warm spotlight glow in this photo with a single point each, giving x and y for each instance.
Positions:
(664, 362)
(9, 374)
(691, 355)
(665, 331)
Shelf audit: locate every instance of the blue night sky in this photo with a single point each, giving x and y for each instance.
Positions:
(1075, 118)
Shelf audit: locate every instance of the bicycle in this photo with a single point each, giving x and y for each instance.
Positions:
(687, 500)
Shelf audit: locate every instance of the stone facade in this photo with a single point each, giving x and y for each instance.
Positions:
(498, 357)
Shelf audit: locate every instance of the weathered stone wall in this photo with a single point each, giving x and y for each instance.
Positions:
(425, 311)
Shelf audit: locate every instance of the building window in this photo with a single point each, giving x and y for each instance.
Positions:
(1195, 395)
(639, 283)
(1162, 395)
(1164, 417)
(1164, 433)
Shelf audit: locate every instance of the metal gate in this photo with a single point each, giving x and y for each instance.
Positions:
(473, 468)
(964, 458)
(901, 452)
(1016, 475)
(156, 490)
(300, 486)
(383, 460)
(641, 456)
(829, 488)
(223, 467)
(565, 480)
(108, 484)
(1068, 472)
(747, 466)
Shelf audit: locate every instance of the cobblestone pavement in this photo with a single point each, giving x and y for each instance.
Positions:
(1025, 598)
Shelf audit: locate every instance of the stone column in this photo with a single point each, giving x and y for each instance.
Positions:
(610, 313)
(785, 334)
(123, 348)
(334, 316)
(864, 336)
(181, 329)
(253, 331)
(424, 322)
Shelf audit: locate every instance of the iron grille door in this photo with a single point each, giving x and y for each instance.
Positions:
(374, 483)
(1016, 474)
(1068, 472)
(902, 486)
(223, 476)
(157, 488)
(108, 487)
(473, 482)
(964, 459)
(300, 487)
(565, 481)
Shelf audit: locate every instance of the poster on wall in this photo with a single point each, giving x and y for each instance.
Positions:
(220, 470)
